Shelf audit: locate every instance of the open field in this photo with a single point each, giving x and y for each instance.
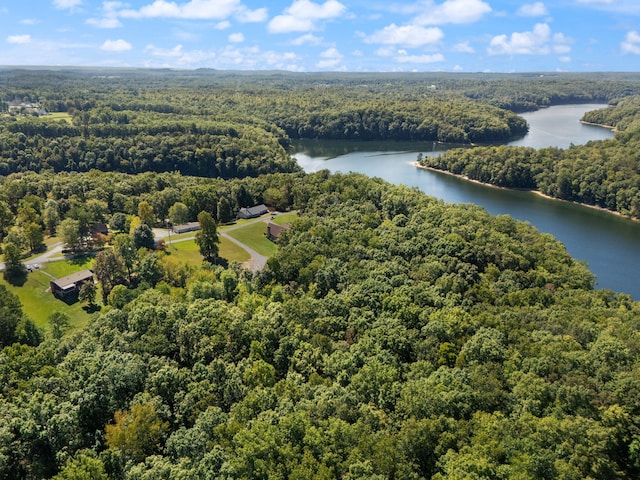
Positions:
(253, 236)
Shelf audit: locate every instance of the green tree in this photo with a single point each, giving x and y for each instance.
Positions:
(10, 316)
(13, 266)
(35, 235)
(143, 237)
(125, 246)
(225, 212)
(137, 433)
(69, 232)
(6, 218)
(118, 222)
(87, 293)
(109, 270)
(207, 237)
(83, 466)
(59, 323)
(51, 216)
(146, 214)
(178, 213)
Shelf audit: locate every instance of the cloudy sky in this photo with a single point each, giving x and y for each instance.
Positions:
(325, 35)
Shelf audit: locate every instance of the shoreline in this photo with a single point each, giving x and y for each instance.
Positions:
(535, 192)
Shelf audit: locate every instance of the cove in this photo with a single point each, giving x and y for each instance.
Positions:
(609, 244)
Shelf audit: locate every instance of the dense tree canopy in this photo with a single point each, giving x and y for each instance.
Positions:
(391, 336)
(605, 174)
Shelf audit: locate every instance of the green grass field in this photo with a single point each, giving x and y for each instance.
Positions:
(38, 303)
(253, 236)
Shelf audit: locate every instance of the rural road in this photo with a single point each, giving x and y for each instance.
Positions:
(255, 263)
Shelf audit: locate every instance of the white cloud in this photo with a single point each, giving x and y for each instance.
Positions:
(302, 15)
(222, 25)
(452, 11)
(403, 57)
(192, 10)
(19, 39)
(631, 43)
(106, 22)
(109, 17)
(406, 35)
(463, 47)
(245, 15)
(229, 57)
(307, 39)
(537, 9)
(331, 58)
(236, 37)
(116, 46)
(64, 4)
(29, 21)
(539, 41)
(564, 59)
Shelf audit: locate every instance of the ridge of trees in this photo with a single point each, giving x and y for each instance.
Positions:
(234, 125)
(605, 174)
(391, 336)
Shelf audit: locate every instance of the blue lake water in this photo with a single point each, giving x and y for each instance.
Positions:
(609, 244)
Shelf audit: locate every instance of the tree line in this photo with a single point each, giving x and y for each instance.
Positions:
(391, 336)
(604, 173)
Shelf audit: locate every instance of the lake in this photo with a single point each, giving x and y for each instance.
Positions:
(609, 244)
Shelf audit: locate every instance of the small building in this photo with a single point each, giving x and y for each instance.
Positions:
(274, 230)
(186, 227)
(99, 229)
(70, 285)
(253, 212)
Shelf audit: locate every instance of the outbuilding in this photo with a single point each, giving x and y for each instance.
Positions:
(253, 212)
(71, 284)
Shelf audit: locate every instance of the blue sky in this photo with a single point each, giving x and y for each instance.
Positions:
(331, 35)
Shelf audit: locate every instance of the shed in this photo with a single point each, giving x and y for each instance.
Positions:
(71, 284)
(274, 230)
(253, 212)
(186, 227)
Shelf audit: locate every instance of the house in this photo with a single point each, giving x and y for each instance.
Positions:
(71, 284)
(186, 227)
(274, 230)
(253, 212)
(99, 228)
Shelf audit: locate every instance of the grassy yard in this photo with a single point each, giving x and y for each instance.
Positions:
(285, 218)
(253, 236)
(189, 252)
(38, 303)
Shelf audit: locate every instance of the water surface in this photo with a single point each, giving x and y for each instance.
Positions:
(609, 244)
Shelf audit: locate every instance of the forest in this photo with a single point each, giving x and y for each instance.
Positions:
(604, 174)
(391, 335)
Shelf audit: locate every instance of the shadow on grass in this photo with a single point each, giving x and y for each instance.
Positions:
(93, 308)
(17, 278)
(223, 262)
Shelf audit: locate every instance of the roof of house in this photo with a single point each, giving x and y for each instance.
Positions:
(274, 230)
(186, 227)
(255, 211)
(73, 279)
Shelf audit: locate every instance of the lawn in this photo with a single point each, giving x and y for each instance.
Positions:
(285, 218)
(190, 253)
(253, 236)
(38, 303)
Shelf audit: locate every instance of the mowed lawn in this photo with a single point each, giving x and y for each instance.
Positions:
(253, 236)
(189, 252)
(38, 303)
